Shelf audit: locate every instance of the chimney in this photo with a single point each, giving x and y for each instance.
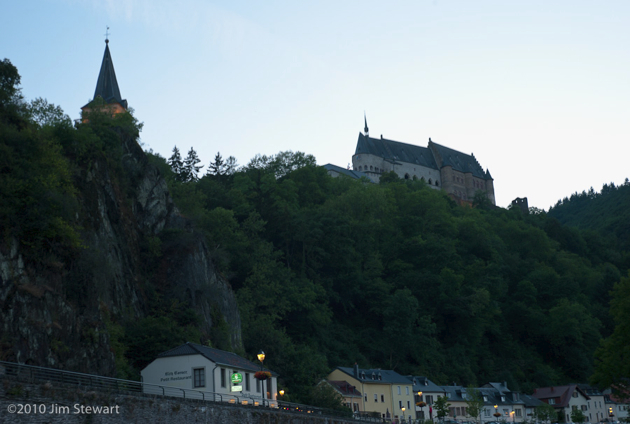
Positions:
(356, 370)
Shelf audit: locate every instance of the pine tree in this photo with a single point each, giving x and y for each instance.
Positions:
(191, 170)
(177, 166)
(218, 166)
(231, 166)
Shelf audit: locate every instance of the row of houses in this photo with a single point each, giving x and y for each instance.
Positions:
(395, 397)
(193, 370)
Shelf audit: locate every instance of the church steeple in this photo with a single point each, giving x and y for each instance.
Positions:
(107, 85)
(106, 88)
(366, 129)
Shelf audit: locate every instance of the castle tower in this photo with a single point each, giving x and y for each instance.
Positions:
(107, 92)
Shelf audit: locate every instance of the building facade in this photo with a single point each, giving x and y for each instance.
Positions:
(385, 392)
(197, 371)
(442, 168)
(566, 399)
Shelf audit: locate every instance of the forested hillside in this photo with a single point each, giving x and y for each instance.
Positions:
(606, 213)
(327, 271)
(330, 272)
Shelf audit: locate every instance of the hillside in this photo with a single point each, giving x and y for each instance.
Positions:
(99, 271)
(605, 213)
(398, 276)
(110, 255)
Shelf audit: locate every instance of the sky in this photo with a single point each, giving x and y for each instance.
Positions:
(538, 90)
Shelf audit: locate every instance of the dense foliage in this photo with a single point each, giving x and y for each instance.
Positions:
(330, 272)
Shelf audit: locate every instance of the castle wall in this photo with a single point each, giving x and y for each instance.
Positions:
(374, 166)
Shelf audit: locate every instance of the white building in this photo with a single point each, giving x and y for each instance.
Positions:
(201, 372)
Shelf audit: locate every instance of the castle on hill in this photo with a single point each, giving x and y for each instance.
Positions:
(442, 168)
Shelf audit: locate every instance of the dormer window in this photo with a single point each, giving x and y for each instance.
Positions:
(502, 398)
(373, 376)
(426, 383)
(485, 398)
(363, 375)
(380, 377)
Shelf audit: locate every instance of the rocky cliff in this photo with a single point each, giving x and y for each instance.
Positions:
(60, 310)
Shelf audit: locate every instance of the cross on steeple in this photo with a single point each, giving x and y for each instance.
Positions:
(107, 36)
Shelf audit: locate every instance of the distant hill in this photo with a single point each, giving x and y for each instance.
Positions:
(606, 212)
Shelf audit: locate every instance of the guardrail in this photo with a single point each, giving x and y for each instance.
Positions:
(32, 373)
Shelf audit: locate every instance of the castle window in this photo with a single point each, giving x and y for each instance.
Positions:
(406, 176)
(370, 168)
(436, 183)
(430, 181)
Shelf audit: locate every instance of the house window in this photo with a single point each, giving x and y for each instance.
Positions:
(398, 389)
(408, 406)
(247, 387)
(222, 377)
(429, 399)
(486, 412)
(365, 397)
(575, 394)
(382, 397)
(199, 375)
(400, 404)
(552, 401)
(584, 408)
(517, 412)
(375, 397)
(485, 398)
(406, 390)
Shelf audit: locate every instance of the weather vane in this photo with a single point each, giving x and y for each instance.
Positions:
(107, 35)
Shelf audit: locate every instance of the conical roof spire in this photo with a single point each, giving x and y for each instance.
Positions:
(366, 129)
(107, 85)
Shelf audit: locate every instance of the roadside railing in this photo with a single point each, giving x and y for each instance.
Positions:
(32, 374)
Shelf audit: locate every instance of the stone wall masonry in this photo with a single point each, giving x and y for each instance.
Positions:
(57, 403)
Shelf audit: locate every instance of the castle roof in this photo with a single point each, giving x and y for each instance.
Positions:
(458, 161)
(395, 151)
(357, 175)
(107, 85)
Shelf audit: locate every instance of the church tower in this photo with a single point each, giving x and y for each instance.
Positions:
(107, 94)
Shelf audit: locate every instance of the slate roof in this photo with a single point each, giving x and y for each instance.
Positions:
(395, 151)
(345, 388)
(217, 356)
(459, 161)
(347, 172)
(423, 384)
(107, 85)
(492, 392)
(530, 401)
(435, 156)
(561, 394)
(386, 376)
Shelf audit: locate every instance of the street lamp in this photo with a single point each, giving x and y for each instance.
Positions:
(261, 358)
(496, 412)
(403, 409)
(421, 404)
(512, 414)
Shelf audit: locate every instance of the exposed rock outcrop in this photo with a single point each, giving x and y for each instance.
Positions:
(56, 312)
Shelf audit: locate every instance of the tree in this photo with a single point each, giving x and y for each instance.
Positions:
(9, 82)
(231, 166)
(547, 413)
(441, 406)
(43, 113)
(612, 368)
(325, 396)
(218, 166)
(191, 170)
(474, 400)
(577, 416)
(175, 161)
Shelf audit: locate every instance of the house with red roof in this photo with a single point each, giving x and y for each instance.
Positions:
(351, 396)
(566, 399)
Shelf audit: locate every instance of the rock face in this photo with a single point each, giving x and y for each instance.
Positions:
(59, 311)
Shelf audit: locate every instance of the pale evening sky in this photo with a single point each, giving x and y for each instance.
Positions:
(538, 90)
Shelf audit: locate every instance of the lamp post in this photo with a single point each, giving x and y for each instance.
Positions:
(512, 414)
(261, 358)
(403, 410)
(421, 404)
(496, 412)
